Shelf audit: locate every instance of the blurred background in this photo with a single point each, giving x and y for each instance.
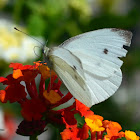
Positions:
(57, 20)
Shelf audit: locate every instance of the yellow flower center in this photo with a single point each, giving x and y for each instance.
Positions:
(53, 97)
(95, 125)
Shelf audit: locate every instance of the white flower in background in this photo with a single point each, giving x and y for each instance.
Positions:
(15, 46)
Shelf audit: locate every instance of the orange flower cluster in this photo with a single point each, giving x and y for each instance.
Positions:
(94, 128)
(37, 106)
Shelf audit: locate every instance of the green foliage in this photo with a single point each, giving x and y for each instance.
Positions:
(136, 127)
(33, 23)
(132, 61)
(80, 120)
(123, 138)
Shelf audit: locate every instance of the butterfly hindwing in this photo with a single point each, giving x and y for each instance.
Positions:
(71, 73)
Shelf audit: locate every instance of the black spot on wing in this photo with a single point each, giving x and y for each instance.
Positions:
(105, 51)
(75, 67)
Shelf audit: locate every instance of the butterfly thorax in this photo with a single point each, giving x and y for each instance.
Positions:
(45, 52)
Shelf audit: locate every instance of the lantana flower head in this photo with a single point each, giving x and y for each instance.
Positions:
(39, 103)
(34, 103)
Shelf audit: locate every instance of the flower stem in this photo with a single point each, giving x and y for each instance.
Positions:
(34, 137)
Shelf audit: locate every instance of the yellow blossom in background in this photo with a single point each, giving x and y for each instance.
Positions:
(130, 135)
(15, 46)
(3, 3)
(83, 6)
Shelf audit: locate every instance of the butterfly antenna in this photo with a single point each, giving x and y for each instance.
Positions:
(29, 36)
(46, 42)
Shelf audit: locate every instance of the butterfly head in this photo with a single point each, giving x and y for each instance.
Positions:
(45, 51)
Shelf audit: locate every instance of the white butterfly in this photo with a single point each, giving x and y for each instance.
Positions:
(89, 64)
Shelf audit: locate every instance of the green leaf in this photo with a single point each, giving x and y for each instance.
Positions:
(80, 120)
(105, 133)
(123, 138)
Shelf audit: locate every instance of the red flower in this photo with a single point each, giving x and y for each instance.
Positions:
(33, 109)
(13, 93)
(27, 128)
(112, 129)
(68, 119)
(84, 110)
(72, 131)
(39, 104)
(75, 133)
(70, 134)
(83, 132)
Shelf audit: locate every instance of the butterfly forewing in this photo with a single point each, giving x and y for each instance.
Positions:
(94, 58)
